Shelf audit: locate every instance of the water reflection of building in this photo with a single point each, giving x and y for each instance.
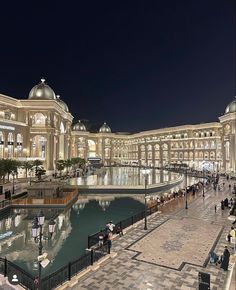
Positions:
(20, 245)
(40, 127)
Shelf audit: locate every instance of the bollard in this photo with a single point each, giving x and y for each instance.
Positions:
(91, 261)
(69, 271)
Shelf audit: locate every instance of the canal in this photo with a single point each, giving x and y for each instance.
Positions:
(72, 229)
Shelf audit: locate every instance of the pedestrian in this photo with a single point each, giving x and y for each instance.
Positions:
(100, 238)
(215, 208)
(119, 231)
(226, 202)
(110, 226)
(109, 243)
(232, 233)
(222, 205)
(225, 259)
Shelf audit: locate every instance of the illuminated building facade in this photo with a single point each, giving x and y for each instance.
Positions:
(40, 127)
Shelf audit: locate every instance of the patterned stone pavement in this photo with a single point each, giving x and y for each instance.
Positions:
(129, 271)
(180, 239)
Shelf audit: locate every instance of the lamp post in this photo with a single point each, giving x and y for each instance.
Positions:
(203, 186)
(186, 191)
(30, 171)
(13, 182)
(37, 234)
(145, 173)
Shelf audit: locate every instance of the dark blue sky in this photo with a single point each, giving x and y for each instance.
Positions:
(137, 65)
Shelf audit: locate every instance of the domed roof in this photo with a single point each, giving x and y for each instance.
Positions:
(231, 108)
(79, 126)
(62, 103)
(105, 129)
(42, 91)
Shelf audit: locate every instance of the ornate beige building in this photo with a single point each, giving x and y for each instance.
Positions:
(40, 127)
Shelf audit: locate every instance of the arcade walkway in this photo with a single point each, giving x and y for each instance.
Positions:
(170, 254)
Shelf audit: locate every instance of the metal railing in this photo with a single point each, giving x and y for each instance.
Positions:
(7, 268)
(57, 278)
(94, 238)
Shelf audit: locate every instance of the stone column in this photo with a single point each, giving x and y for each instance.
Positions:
(153, 155)
(49, 153)
(161, 155)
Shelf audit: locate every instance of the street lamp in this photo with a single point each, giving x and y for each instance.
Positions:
(13, 182)
(30, 172)
(203, 186)
(186, 191)
(37, 234)
(145, 173)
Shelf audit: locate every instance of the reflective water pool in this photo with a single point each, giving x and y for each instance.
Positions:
(72, 228)
(122, 176)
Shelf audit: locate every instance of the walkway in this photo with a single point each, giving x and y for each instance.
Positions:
(170, 254)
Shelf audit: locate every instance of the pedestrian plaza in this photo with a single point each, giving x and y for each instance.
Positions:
(171, 253)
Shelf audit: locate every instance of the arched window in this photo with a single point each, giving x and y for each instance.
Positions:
(91, 148)
(107, 152)
(107, 141)
(212, 155)
(62, 128)
(39, 119)
(39, 147)
(1, 145)
(157, 147)
(10, 145)
(200, 155)
(81, 152)
(19, 145)
(206, 155)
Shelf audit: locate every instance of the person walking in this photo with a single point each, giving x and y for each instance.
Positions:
(222, 205)
(110, 226)
(215, 208)
(101, 238)
(109, 243)
(225, 259)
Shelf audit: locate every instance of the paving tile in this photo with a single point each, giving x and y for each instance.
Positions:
(183, 236)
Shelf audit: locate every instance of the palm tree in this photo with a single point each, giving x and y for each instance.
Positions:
(27, 165)
(2, 170)
(68, 164)
(60, 165)
(39, 170)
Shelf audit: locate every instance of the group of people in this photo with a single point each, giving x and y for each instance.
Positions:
(223, 260)
(107, 234)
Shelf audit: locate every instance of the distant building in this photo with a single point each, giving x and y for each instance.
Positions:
(40, 127)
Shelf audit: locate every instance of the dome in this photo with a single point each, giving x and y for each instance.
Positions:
(79, 126)
(105, 129)
(42, 91)
(63, 104)
(231, 108)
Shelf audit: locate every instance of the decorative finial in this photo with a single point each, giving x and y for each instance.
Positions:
(43, 80)
(58, 97)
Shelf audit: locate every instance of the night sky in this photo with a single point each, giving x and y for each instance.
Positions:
(137, 65)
